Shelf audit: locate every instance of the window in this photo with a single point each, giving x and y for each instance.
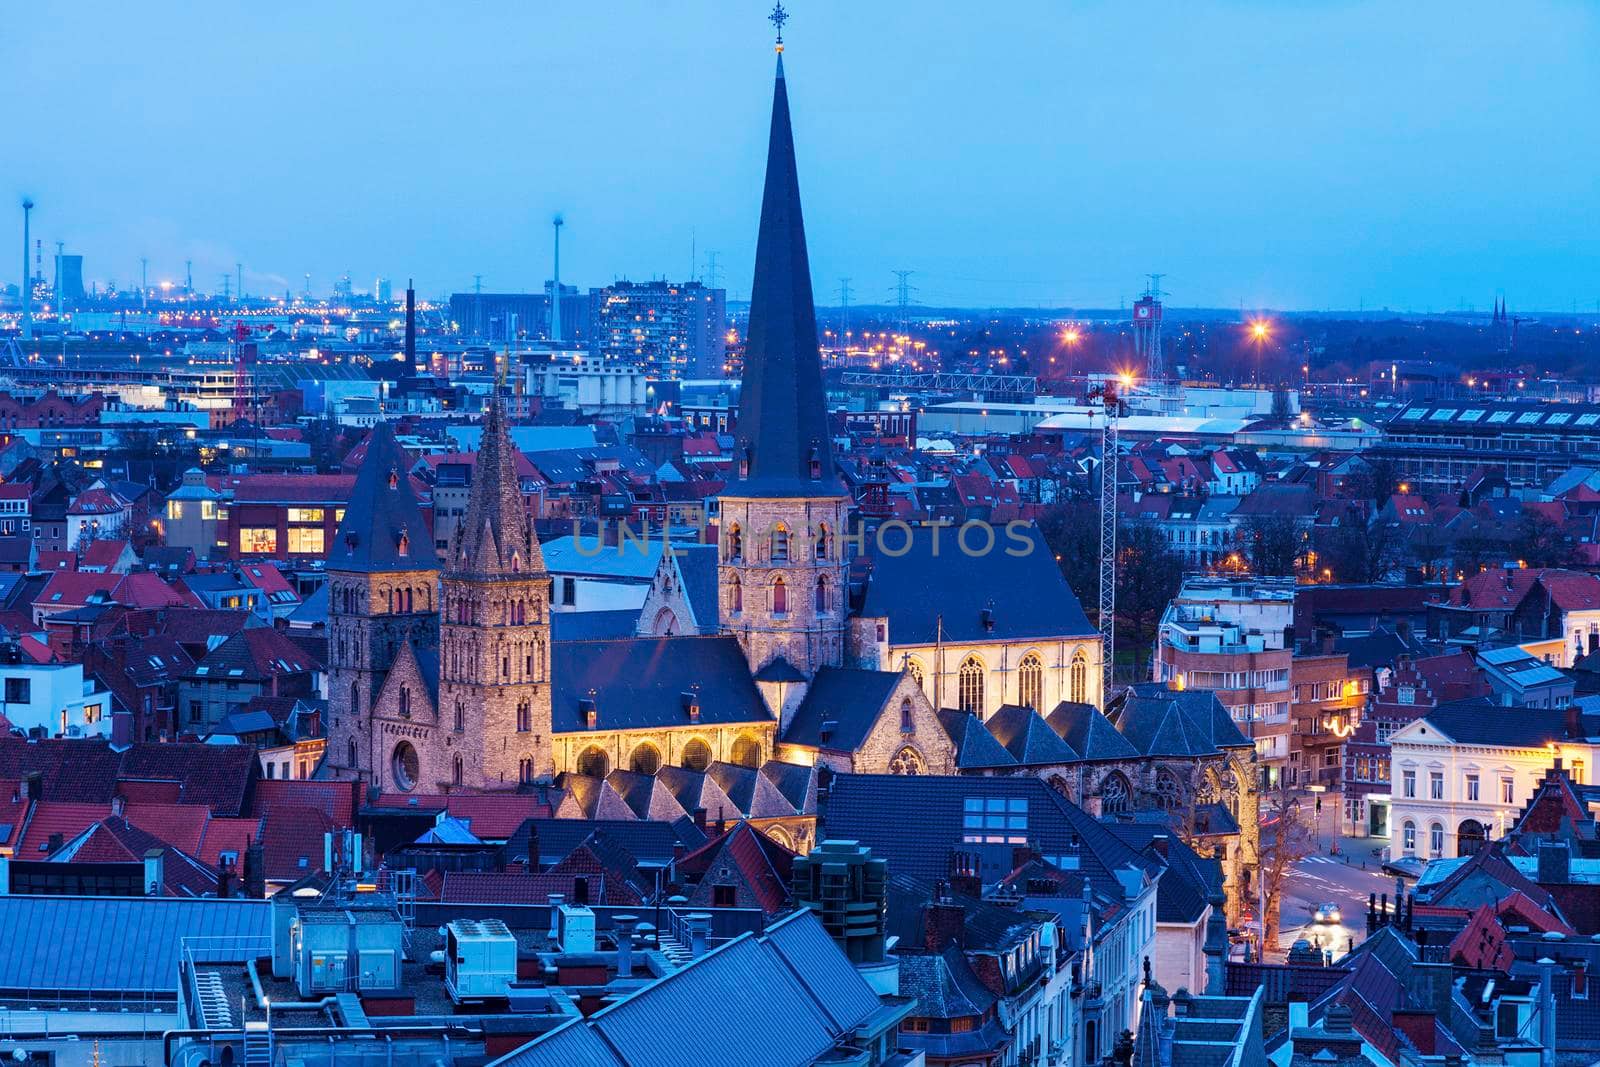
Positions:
(1472, 787)
(305, 515)
(994, 820)
(455, 770)
(780, 597)
(736, 595)
(194, 711)
(1030, 682)
(971, 686)
(306, 540)
(175, 509)
(780, 543)
(1436, 785)
(1114, 794)
(822, 594)
(258, 539)
(907, 723)
(908, 761)
(645, 759)
(1436, 840)
(823, 541)
(461, 714)
(1408, 836)
(1508, 791)
(593, 763)
(1078, 676)
(746, 752)
(1577, 772)
(569, 591)
(1407, 695)
(1408, 783)
(19, 690)
(524, 718)
(697, 755)
(350, 753)
(1169, 791)
(735, 542)
(723, 896)
(405, 701)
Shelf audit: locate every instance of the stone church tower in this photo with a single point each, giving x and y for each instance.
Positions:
(782, 519)
(382, 582)
(494, 642)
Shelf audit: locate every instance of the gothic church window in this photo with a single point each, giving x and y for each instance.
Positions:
(405, 701)
(746, 751)
(908, 724)
(908, 761)
(1030, 682)
(407, 767)
(455, 770)
(780, 543)
(645, 759)
(735, 543)
(593, 763)
(461, 715)
(524, 717)
(822, 593)
(350, 752)
(824, 540)
(1114, 794)
(737, 595)
(1169, 791)
(780, 597)
(970, 691)
(697, 755)
(1078, 678)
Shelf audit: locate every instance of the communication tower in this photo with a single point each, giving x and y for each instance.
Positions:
(1147, 330)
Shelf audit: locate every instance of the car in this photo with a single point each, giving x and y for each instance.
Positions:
(1326, 913)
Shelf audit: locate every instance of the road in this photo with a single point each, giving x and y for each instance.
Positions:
(1341, 880)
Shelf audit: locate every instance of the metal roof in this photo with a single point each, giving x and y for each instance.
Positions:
(114, 944)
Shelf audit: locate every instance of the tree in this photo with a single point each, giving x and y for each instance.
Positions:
(1273, 545)
(1361, 552)
(1148, 577)
(1288, 835)
(1540, 542)
(1072, 532)
(1377, 480)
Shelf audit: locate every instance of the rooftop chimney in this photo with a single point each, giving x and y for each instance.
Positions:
(624, 926)
(154, 875)
(1555, 863)
(1574, 722)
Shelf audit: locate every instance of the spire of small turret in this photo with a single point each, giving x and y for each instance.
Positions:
(496, 536)
(782, 444)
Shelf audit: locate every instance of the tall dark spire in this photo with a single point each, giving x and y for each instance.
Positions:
(382, 529)
(782, 446)
(495, 537)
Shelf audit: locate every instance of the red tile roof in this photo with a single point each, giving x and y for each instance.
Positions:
(13, 811)
(145, 589)
(228, 835)
(53, 560)
(183, 825)
(72, 589)
(64, 817)
(335, 800)
(292, 839)
(103, 553)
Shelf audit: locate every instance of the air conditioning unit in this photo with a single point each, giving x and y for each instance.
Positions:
(480, 957)
(575, 928)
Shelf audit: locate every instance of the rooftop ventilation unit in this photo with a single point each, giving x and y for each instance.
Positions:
(480, 958)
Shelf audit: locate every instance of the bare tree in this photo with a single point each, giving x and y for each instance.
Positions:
(1288, 835)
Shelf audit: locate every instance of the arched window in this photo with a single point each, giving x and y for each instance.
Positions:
(1408, 836)
(735, 543)
(1078, 678)
(746, 751)
(355, 698)
(697, 755)
(350, 753)
(405, 701)
(971, 686)
(908, 761)
(455, 770)
(408, 600)
(1436, 840)
(645, 759)
(407, 767)
(524, 717)
(525, 770)
(1169, 791)
(824, 543)
(1114, 794)
(461, 715)
(822, 594)
(908, 722)
(780, 597)
(735, 594)
(780, 543)
(1470, 837)
(593, 763)
(1030, 682)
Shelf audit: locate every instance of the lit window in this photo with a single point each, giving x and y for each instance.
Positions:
(305, 515)
(258, 539)
(306, 540)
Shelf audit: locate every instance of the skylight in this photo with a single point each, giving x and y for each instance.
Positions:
(1528, 418)
(1501, 416)
(1415, 413)
(1443, 415)
(1471, 415)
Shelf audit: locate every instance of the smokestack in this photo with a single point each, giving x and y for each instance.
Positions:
(26, 295)
(411, 326)
(555, 290)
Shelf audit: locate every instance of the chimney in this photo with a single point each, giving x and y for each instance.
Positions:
(224, 876)
(691, 706)
(699, 815)
(1574, 722)
(1160, 842)
(699, 924)
(825, 732)
(411, 327)
(624, 926)
(154, 880)
(943, 923)
(255, 871)
(964, 875)
(35, 781)
(1555, 863)
(53, 845)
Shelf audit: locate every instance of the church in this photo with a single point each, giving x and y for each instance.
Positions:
(444, 675)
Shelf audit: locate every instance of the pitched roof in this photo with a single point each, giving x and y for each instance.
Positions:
(782, 432)
(639, 683)
(495, 536)
(991, 595)
(1158, 721)
(1480, 721)
(1029, 739)
(1089, 732)
(851, 700)
(757, 867)
(383, 529)
(976, 748)
(255, 654)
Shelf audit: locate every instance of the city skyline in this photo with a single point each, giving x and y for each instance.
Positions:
(1328, 159)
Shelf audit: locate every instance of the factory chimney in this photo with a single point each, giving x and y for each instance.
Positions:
(555, 287)
(26, 293)
(411, 326)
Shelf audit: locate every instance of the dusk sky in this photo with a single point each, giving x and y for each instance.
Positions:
(1270, 154)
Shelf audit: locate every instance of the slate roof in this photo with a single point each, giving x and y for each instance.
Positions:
(255, 654)
(495, 536)
(1480, 721)
(638, 683)
(1089, 732)
(697, 566)
(382, 511)
(850, 699)
(1029, 739)
(976, 748)
(650, 843)
(1189, 879)
(593, 625)
(782, 430)
(1158, 721)
(943, 984)
(1025, 595)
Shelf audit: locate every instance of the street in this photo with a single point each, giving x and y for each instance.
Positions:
(1340, 880)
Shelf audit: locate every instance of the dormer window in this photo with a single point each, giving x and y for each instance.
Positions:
(814, 463)
(394, 479)
(403, 545)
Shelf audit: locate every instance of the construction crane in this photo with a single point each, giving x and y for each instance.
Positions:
(244, 355)
(1111, 411)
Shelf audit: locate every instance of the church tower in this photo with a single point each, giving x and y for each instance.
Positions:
(782, 518)
(383, 577)
(494, 641)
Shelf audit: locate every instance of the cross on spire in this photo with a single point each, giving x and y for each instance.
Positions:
(778, 17)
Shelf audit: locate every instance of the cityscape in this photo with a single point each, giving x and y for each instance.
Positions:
(656, 659)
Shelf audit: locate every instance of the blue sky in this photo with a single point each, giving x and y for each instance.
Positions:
(1277, 153)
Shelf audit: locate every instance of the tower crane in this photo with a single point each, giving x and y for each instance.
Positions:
(1111, 410)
